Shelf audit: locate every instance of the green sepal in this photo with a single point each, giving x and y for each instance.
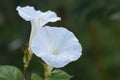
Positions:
(27, 57)
(58, 74)
(8, 72)
(35, 77)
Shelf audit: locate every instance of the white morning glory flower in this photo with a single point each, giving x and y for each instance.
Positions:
(56, 46)
(37, 18)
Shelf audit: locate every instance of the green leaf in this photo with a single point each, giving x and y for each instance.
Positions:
(59, 75)
(10, 73)
(36, 77)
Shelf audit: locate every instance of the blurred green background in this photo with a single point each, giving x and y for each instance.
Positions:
(96, 23)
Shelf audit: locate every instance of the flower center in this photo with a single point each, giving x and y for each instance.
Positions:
(55, 52)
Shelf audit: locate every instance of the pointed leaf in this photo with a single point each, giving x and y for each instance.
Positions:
(59, 75)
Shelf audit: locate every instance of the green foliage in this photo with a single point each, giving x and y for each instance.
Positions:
(90, 20)
(58, 74)
(35, 77)
(10, 73)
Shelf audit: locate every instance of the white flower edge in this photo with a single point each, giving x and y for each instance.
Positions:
(29, 13)
(56, 46)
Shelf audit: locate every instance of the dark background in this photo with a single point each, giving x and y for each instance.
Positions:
(96, 23)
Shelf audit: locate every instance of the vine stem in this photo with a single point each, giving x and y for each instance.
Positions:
(45, 72)
(25, 74)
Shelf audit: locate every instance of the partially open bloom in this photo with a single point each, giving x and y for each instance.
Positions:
(56, 46)
(36, 17)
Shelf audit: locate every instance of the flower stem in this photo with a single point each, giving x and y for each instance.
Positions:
(45, 72)
(26, 60)
(25, 74)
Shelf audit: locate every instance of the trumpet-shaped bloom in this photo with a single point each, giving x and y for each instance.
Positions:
(56, 46)
(36, 17)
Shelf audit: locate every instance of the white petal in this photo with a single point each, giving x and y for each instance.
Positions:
(50, 16)
(28, 13)
(56, 46)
